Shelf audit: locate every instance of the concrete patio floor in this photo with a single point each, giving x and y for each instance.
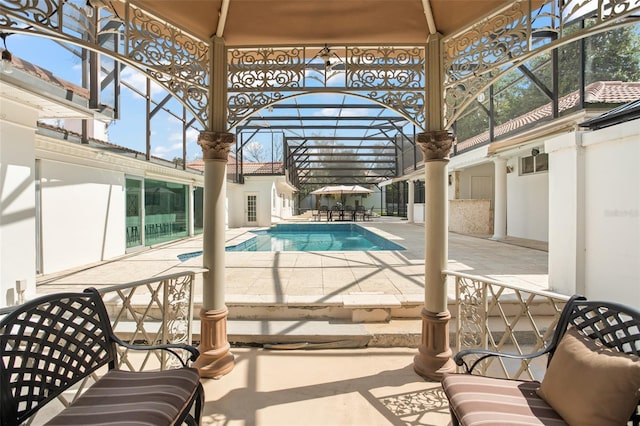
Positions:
(367, 386)
(373, 386)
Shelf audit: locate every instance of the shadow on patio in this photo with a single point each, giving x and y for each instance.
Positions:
(372, 386)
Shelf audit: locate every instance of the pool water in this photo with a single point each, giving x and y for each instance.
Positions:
(315, 237)
(311, 237)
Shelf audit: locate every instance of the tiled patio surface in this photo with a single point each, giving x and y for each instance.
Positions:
(323, 275)
(372, 386)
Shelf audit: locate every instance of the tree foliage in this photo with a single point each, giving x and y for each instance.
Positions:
(609, 56)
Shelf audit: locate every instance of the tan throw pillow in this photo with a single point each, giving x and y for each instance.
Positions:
(589, 384)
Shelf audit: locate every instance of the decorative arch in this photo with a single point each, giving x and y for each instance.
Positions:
(258, 76)
(176, 60)
(393, 76)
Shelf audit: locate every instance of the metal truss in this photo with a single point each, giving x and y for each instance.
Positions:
(263, 77)
(479, 55)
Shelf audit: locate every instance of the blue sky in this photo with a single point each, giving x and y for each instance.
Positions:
(166, 130)
(129, 130)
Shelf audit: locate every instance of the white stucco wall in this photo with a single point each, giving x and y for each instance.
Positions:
(595, 214)
(612, 213)
(527, 205)
(261, 186)
(565, 212)
(83, 215)
(17, 199)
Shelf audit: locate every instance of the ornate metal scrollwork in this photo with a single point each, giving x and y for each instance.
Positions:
(478, 55)
(266, 68)
(471, 313)
(392, 76)
(169, 55)
(178, 312)
(175, 59)
(387, 68)
(45, 13)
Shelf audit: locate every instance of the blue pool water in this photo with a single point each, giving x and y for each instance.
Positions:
(311, 237)
(316, 237)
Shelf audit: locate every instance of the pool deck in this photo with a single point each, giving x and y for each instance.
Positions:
(358, 298)
(323, 276)
(364, 386)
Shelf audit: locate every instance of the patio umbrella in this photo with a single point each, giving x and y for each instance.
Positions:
(342, 189)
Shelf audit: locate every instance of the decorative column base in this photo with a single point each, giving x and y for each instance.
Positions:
(434, 357)
(215, 358)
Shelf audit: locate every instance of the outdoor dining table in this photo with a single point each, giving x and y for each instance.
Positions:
(341, 214)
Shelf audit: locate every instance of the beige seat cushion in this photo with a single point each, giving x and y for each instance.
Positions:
(148, 398)
(482, 401)
(589, 384)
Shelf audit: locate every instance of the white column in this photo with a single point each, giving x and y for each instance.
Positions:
(500, 199)
(215, 357)
(410, 207)
(567, 220)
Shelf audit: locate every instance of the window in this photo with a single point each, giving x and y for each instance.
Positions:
(534, 164)
(165, 206)
(198, 210)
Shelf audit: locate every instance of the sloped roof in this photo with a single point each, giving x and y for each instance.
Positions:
(275, 168)
(598, 92)
(624, 113)
(199, 164)
(48, 77)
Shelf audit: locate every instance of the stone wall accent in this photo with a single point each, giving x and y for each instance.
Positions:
(473, 217)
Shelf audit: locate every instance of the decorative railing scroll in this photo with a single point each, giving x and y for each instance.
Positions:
(505, 318)
(393, 76)
(478, 55)
(169, 55)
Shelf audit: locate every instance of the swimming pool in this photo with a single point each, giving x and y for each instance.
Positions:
(311, 237)
(315, 237)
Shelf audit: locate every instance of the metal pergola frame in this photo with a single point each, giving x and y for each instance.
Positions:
(356, 145)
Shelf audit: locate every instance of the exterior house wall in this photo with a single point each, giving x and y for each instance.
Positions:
(600, 168)
(234, 206)
(17, 199)
(471, 199)
(612, 213)
(528, 204)
(565, 213)
(476, 183)
(271, 207)
(83, 215)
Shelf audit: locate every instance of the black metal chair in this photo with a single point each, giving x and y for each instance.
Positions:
(611, 325)
(52, 343)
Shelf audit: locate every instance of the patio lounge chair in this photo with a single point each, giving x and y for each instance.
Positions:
(592, 376)
(54, 342)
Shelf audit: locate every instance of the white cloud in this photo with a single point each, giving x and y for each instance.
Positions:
(139, 81)
(167, 151)
(348, 112)
(192, 135)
